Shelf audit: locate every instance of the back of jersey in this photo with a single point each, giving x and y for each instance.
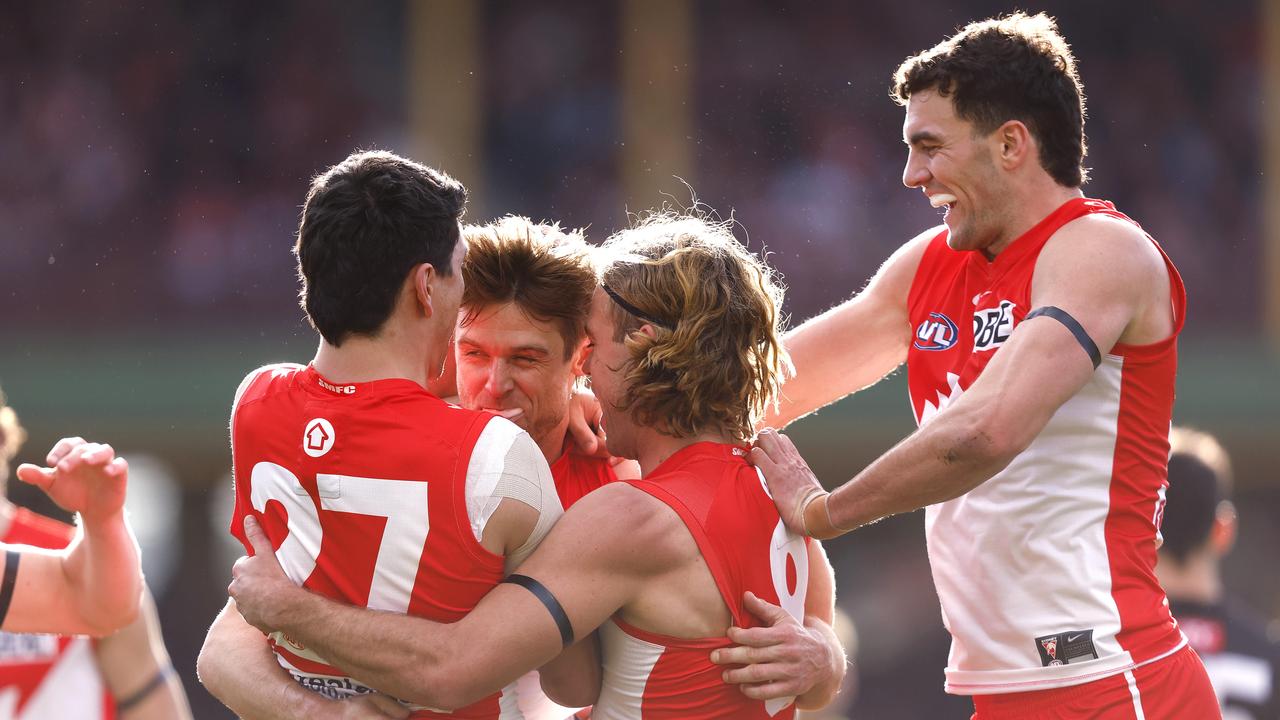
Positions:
(362, 490)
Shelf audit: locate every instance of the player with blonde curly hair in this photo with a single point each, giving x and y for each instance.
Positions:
(686, 356)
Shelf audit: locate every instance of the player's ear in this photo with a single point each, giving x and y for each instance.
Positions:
(648, 331)
(578, 360)
(423, 278)
(1014, 144)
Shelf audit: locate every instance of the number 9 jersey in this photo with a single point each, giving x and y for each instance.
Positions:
(376, 494)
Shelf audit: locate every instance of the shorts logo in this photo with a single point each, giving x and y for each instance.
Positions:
(1067, 647)
(318, 438)
(936, 333)
(992, 326)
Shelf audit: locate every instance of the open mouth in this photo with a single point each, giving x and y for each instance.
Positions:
(942, 200)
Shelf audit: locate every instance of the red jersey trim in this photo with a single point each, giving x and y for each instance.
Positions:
(708, 643)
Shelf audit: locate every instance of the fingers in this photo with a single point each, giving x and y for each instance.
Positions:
(760, 651)
(61, 448)
(770, 690)
(583, 435)
(36, 475)
(257, 537)
(768, 612)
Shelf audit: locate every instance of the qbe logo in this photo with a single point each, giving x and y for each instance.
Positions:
(991, 327)
(936, 333)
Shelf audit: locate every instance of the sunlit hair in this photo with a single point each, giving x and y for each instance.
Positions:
(1199, 484)
(718, 364)
(12, 435)
(547, 272)
(1016, 67)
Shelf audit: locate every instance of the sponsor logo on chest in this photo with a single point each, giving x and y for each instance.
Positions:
(992, 326)
(937, 332)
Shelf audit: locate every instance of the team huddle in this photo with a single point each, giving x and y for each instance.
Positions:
(529, 477)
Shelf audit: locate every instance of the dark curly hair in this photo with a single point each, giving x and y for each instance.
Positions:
(1015, 67)
(366, 223)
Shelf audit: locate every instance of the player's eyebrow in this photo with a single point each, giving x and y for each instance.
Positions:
(921, 136)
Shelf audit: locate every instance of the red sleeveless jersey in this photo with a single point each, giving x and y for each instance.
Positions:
(1045, 572)
(49, 676)
(576, 475)
(362, 489)
(724, 504)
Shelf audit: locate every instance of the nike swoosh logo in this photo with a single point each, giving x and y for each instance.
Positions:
(1073, 638)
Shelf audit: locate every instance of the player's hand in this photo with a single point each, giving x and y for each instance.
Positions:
(258, 583)
(782, 659)
(791, 483)
(584, 424)
(82, 477)
(370, 706)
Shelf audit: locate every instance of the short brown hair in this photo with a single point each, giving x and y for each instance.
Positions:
(1015, 67)
(544, 270)
(718, 363)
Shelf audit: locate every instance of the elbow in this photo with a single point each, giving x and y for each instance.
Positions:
(424, 683)
(570, 694)
(107, 619)
(984, 441)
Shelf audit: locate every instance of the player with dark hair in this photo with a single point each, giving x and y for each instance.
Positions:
(1199, 529)
(1039, 328)
(686, 357)
(375, 492)
(46, 676)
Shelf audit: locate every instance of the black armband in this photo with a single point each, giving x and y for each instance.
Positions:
(1071, 324)
(156, 682)
(549, 601)
(11, 558)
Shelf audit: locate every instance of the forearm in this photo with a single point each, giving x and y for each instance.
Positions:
(233, 651)
(399, 655)
(943, 460)
(573, 678)
(821, 694)
(104, 573)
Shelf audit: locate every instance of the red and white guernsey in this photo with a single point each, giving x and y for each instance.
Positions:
(48, 676)
(363, 489)
(1045, 571)
(725, 506)
(576, 475)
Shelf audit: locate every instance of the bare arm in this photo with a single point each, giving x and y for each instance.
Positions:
(573, 679)
(133, 661)
(234, 650)
(592, 562)
(1105, 278)
(93, 586)
(854, 344)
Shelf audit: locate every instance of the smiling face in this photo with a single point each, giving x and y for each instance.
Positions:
(515, 365)
(956, 168)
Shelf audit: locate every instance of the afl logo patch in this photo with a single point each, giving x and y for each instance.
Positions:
(318, 437)
(936, 333)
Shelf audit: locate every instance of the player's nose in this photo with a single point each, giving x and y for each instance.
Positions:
(499, 380)
(916, 173)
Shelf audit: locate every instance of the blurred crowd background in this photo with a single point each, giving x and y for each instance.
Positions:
(155, 155)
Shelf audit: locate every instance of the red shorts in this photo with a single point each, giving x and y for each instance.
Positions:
(1173, 688)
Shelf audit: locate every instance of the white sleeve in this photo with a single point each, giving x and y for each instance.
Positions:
(507, 463)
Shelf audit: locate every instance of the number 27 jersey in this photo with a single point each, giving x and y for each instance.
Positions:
(362, 490)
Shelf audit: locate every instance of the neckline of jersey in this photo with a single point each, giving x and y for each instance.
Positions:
(702, 447)
(315, 378)
(1035, 236)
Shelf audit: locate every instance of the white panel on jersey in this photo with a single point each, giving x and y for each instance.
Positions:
(531, 702)
(627, 662)
(485, 467)
(1034, 534)
(76, 670)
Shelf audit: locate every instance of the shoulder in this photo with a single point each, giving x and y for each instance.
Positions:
(902, 264)
(273, 371)
(1109, 247)
(632, 525)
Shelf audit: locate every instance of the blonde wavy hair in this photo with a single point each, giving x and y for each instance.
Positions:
(719, 362)
(544, 270)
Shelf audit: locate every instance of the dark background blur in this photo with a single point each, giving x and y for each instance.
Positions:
(153, 157)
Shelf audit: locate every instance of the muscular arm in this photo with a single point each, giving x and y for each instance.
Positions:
(1107, 276)
(93, 586)
(593, 561)
(854, 344)
(132, 660)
